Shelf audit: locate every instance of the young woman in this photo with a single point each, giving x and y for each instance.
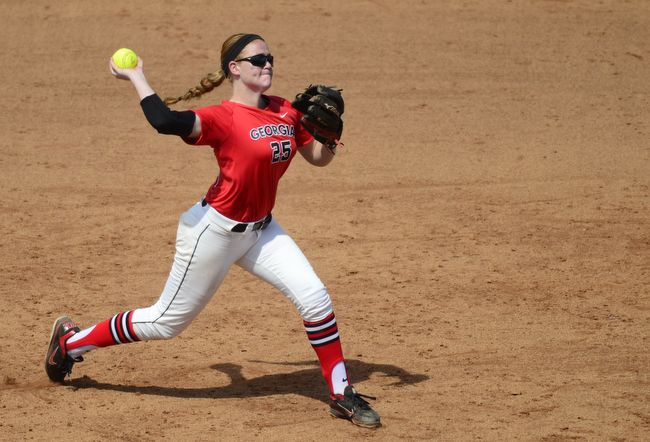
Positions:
(254, 137)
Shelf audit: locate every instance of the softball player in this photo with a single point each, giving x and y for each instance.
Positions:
(254, 137)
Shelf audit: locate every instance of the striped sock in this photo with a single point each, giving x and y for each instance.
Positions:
(324, 338)
(117, 330)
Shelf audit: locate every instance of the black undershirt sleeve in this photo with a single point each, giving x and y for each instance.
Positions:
(165, 120)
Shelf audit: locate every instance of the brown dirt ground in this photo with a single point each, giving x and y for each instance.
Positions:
(484, 232)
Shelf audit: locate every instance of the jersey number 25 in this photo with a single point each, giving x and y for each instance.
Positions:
(281, 151)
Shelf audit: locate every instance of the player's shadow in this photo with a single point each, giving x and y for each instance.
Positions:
(308, 382)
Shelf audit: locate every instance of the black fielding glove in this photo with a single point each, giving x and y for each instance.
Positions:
(322, 108)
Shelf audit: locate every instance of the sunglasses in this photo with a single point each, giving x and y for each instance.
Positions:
(258, 60)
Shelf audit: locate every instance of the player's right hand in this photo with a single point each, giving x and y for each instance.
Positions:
(125, 74)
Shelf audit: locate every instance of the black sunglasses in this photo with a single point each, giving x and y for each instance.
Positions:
(258, 60)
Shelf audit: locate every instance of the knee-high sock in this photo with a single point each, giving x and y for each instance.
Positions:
(117, 330)
(324, 338)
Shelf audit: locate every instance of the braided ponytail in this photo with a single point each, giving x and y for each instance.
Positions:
(213, 79)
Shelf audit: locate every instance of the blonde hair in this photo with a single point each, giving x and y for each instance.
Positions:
(212, 79)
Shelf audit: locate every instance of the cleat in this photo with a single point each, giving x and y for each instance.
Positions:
(57, 363)
(352, 407)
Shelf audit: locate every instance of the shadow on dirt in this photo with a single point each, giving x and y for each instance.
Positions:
(308, 382)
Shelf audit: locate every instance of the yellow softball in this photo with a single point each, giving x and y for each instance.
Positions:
(125, 58)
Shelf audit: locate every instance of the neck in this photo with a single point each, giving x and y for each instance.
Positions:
(248, 97)
(259, 103)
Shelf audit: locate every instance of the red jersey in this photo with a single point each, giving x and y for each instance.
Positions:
(254, 148)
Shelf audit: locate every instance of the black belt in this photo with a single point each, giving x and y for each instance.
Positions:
(260, 225)
(241, 227)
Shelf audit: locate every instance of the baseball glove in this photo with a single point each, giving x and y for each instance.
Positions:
(322, 107)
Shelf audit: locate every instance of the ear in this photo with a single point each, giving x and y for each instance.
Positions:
(234, 69)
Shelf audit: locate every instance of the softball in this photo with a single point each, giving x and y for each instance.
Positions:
(125, 58)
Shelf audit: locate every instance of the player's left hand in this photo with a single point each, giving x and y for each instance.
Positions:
(322, 107)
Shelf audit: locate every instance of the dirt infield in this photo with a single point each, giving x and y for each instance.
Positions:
(483, 233)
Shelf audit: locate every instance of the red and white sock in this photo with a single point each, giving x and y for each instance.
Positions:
(324, 338)
(117, 330)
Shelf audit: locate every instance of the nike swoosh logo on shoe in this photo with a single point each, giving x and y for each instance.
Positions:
(349, 412)
(51, 359)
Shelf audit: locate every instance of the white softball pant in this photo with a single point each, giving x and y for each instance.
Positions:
(206, 249)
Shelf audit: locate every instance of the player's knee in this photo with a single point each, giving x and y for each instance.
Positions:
(315, 307)
(154, 332)
(158, 329)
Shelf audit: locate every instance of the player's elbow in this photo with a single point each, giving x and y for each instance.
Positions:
(166, 121)
(174, 123)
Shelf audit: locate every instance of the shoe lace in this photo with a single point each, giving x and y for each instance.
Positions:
(67, 364)
(359, 401)
(68, 361)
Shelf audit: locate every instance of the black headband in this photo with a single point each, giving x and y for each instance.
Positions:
(236, 48)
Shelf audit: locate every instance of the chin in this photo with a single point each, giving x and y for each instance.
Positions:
(266, 85)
